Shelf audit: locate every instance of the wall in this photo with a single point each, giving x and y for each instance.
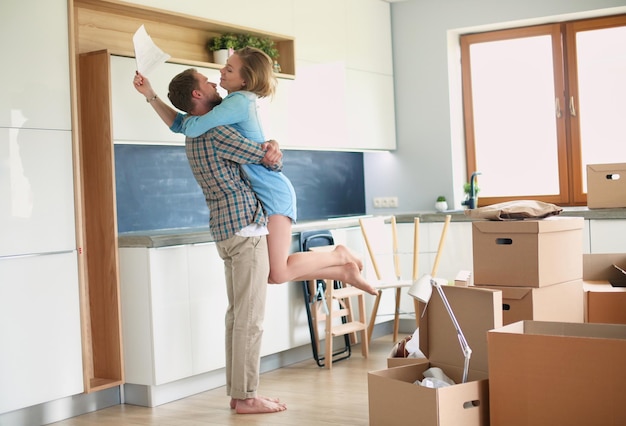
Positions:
(430, 158)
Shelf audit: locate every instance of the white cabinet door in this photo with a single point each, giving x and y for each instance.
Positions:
(208, 302)
(321, 35)
(607, 236)
(136, 315)
(134, 120)
(369, 36)
(41, 355)
(171, 316)
(36, 88)
(37, 191)
(371, 115)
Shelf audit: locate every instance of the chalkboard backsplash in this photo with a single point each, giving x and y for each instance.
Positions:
(156, 189)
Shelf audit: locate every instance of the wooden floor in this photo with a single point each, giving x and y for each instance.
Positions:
(314, 396)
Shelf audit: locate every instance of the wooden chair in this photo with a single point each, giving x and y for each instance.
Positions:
(338, 306)
(382, 246)
(316, 305)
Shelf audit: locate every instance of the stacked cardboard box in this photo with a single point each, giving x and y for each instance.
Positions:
(606, 185)
(537, 264)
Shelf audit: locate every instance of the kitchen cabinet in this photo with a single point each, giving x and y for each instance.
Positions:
(35, 88)
(350, 63)
(37, 189)
(40, 330)
(174, 301)
(97, 227)
(606, 236)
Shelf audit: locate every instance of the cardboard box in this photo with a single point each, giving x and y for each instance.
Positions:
(562, 302)
(603, 302)
(555, 373)
(527, 253)
(606, 185)
(394, 399)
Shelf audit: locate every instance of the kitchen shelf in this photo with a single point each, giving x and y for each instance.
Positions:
(110, 24)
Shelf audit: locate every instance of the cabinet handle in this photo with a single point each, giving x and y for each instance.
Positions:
(557, 107)
(572, 108)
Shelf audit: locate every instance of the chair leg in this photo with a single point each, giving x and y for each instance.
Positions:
(417, 313)
(370, 328)
(396, 316)
(364, 338)
(329, 324)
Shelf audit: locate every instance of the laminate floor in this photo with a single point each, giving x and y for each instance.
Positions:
(314, 396)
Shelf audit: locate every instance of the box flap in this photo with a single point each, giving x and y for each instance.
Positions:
(534, 226)
(477, 311)
(514, 293)
(610, 167)
(565, 329)
(599, 267)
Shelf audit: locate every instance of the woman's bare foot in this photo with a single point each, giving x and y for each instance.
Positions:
(354, 278)
(258, 405)
(348, 256)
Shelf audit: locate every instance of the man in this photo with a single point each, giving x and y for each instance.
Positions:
(238, 225)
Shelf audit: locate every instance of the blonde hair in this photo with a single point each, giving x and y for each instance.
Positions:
(257, 70)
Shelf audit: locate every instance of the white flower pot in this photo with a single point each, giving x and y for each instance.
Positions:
(441, 206)
(220, 56)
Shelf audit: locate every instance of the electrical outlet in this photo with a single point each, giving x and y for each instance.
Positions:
(385, 202)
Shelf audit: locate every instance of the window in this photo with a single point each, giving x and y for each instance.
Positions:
(542, 102)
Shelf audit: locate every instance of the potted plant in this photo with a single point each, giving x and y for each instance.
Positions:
(223, 46)
(441, 204)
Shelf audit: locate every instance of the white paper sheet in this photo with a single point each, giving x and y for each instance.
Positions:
(147, 54)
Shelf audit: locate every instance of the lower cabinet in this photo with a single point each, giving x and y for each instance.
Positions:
(606, 236)
(41, 355)
(173, 305)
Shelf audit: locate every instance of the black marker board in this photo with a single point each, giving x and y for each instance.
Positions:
(156, 190)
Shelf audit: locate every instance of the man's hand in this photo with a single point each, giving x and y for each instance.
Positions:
(143, 86)
(273, 155)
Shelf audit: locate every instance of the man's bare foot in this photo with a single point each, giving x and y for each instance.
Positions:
(258, 405)
(354, 278)
(348, 256)
(233, 401)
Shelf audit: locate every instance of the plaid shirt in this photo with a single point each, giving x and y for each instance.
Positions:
(214, 158)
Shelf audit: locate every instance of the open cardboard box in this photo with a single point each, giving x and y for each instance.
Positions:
(606, 185)
(394, 399)
(557, 373)
(603, 302)
(527, 253)
(559, 302)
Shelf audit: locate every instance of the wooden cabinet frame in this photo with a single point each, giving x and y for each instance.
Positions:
(110, 24)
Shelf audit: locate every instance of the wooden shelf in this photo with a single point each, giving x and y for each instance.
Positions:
(110, 24)
(101, 310)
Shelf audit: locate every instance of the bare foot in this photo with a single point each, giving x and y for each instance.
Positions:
(233, 401)
(354, 277)
(349, 256)
(258, 405)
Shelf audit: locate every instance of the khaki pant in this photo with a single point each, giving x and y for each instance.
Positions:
(246, 265)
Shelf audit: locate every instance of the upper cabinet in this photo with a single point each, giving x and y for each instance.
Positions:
(35, 88)
(343, 96)
(340, 98)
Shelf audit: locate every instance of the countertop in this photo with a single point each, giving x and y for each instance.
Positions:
(173, 237)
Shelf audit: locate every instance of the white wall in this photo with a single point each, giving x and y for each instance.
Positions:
(430, 158)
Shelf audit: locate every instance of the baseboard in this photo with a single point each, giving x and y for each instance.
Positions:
(61, 409)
